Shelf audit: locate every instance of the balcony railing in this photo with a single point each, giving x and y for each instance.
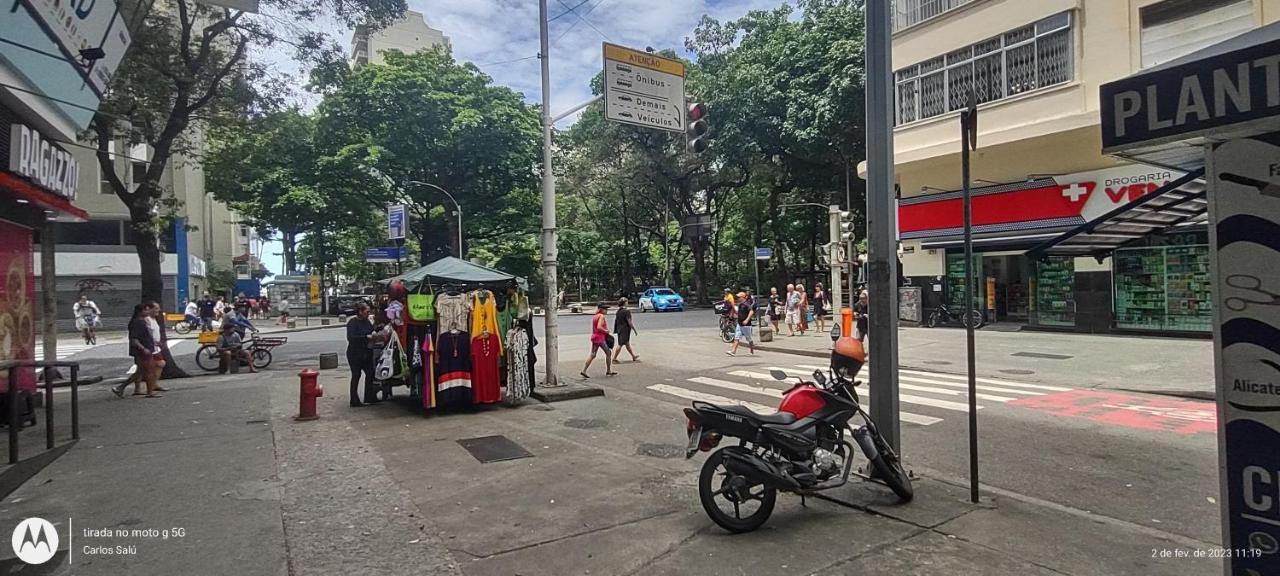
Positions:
(908, 13)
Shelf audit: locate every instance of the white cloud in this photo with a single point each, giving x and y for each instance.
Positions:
(493, 33)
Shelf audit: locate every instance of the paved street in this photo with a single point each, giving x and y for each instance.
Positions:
(1086, 470)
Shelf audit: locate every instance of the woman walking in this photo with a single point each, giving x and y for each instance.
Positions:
(777, 307)
(803, 308)
(600, 340)
(821, 307)
(623, 326)
(360, 356)
(144, 346)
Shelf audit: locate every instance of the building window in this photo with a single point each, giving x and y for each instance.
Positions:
(91, 233)
(1031, 57)
(911, 12)
(1175, 28)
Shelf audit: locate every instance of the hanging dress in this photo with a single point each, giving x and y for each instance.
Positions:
(484, 314)
(453, 369)
(518, 368)
(486, 385)
(428, 382)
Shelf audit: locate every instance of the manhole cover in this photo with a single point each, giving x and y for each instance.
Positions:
(586, 423)
(660, 450)
(1018, 372)
(937, 362)
(1043, 355)
(488, 449)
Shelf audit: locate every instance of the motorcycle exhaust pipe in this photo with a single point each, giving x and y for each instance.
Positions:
(758, 471)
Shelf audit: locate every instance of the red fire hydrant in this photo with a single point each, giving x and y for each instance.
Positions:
(309, 389)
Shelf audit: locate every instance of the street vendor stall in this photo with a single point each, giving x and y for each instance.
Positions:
(467, 332)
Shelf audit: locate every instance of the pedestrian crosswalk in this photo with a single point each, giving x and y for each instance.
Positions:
(926, 397)
(65, 349)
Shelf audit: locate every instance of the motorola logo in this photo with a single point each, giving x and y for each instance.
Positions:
(35, 540)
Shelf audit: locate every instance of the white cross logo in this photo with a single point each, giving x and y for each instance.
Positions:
(1075, 191)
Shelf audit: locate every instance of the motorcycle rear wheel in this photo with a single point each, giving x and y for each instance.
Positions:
(709, 489)
(935, 318)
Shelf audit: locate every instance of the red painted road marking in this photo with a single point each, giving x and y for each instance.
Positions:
(1142, 412)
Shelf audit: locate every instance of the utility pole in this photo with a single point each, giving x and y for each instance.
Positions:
(833, 227)
(552, 337)
(882, 257)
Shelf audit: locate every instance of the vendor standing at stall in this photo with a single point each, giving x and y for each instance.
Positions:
(360, 355)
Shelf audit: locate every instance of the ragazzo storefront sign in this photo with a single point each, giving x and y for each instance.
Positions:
(33, 156)
(1181, 102)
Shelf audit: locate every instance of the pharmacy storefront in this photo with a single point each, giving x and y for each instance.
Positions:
(1155, 283)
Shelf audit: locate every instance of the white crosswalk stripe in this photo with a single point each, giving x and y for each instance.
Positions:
(65, 349)
(927, 390)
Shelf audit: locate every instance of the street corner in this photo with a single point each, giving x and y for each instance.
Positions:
(1129, 410)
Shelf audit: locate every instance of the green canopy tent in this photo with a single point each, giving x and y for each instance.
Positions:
(457, 272)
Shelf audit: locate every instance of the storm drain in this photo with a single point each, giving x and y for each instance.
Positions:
(488, 449)
(1043, 355)
(586, 423)
(660, 450)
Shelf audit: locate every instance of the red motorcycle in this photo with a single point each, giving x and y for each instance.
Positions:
(800, 449)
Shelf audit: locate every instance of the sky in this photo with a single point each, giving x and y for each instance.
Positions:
(501, 38)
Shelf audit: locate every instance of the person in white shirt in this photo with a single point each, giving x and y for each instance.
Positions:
(86, 313)
(192, 313)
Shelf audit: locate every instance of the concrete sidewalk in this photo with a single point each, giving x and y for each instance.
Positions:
(383, 490)
(1175, 366)
(216, 478)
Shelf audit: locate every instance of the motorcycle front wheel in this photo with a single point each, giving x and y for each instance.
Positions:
(749, 505)
(888, 468)
(935, 318)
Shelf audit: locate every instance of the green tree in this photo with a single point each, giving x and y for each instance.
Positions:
(189, 70)
(424, 117)
(266, 169)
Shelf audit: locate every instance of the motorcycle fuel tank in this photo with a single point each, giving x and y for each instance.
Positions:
(802, 401)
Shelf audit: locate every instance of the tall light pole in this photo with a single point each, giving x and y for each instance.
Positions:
(457, 208)
(882, 241)
(549, 252)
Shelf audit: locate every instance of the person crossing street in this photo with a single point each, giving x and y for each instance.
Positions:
(746, 314)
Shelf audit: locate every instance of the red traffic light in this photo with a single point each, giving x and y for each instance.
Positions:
(697, 112)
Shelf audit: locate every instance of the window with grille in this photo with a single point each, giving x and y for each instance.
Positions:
(1036, 56)
(911, 12)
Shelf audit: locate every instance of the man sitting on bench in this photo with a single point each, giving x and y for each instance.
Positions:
(231, 348)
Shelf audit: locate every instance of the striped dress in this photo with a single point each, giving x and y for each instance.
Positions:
(453, 369)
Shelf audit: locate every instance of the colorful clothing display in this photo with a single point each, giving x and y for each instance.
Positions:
(519, 382)
(486, 385)
(484, 314)
(452, 311)
(453, 369)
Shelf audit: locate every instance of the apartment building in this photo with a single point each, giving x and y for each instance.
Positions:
(1034, 69)
(410, 34)
(97, 256)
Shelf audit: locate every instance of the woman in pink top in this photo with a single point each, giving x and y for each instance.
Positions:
(600, 340)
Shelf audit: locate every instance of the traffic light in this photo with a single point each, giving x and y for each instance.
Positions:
(696, 128)
(846, 227)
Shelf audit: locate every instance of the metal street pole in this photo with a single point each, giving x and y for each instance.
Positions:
(457, 208)
(837, 294)
(882, 260)
(552, 336)
(968, 123)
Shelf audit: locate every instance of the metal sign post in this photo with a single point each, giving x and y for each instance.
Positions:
(969, 141)
(761, 254)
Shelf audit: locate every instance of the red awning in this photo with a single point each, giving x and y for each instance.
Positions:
(30, 192)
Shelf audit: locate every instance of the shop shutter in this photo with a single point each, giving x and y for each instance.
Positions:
(1175, 28)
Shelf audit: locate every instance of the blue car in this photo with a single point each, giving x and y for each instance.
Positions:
(660, 299)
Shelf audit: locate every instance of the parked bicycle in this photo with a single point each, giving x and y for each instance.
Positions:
(943, 315)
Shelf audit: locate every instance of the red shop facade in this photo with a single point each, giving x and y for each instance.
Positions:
(1152, 284)
(38, 179)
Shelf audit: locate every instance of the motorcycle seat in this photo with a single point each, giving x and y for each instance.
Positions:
(775, 418)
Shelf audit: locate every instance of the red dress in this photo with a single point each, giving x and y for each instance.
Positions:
(486, 384)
